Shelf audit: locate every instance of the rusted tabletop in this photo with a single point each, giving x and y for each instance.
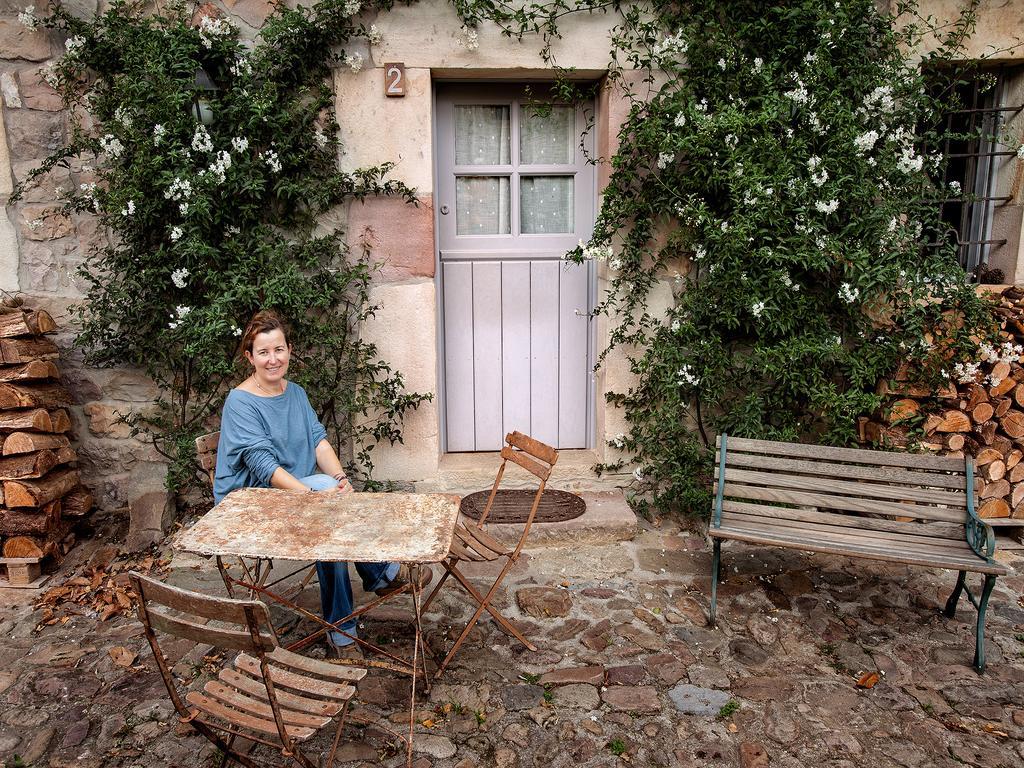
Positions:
(303, 525)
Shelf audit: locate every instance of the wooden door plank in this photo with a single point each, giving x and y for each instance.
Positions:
(573, 368)
(894, 475)
(781, 479)
(515, 346)
(487, 389)
(458, 356)
(851, 455)
(544, 296)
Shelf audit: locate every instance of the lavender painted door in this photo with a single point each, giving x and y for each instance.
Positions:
(514, 193)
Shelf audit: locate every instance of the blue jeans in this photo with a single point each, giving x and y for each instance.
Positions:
(335, 586)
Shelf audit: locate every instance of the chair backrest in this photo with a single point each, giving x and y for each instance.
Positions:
(535, 457)
(206, 452)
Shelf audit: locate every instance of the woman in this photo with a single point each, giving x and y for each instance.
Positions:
(270, 437)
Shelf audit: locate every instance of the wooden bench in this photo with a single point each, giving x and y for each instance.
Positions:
(898, 507)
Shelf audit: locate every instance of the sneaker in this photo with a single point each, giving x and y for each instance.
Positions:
(404, 577)
(352, 651)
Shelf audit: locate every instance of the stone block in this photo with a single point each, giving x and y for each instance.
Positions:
(6, 177)
(36, 93)
(19, 42)
(399, 235)
(544, 602)
(50, 267)
(44, 222)
(9, 91)
(105, 422)
(48, 188)
(590, 675)
(150, 516)
(32, 134)
(91, 234)
(639, 698)
(252, 12)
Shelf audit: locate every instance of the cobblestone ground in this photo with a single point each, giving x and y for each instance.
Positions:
(628, 671)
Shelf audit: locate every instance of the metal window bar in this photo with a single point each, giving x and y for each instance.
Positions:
(985, 116)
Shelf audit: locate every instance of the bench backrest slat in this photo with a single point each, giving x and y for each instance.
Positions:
(930, 528)
(831, 485)
(847, 455)
(876, 474)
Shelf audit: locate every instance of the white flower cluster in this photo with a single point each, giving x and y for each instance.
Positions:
(848, 293)
(219, 167)
(722, 64)
(954, 188)
(599, 252)
(672, 45)
(320, 138)
(240, 144)
(699, 253)
(374, 36)
(965, 373)
(818, 177)
(788, 282)
(664, 160)
(176, 233)
(180, 277)
(74, 44)
(881, 99)
(830, 207)
(470, 39)
(353, 61)
(638, 475)
(129, 209)
(112, 146)
(201, 141)
(909, 161)
(236, 331)
(123, 117)
(799, 93)
(866, 141)
(178, 316)
(680, 120)
(242, 66)
(687, 376)
(271, 159)
(49, 75)
(619, 441)
(1007, 352)
(158, 134)
(28, 17)
(675, 326)
(757, 308)
(758, 64)
(180, 189)
(351, 7)
(210, 29)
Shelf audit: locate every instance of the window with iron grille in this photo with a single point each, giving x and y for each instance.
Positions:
(983, 134)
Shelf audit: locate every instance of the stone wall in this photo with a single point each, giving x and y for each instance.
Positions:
(41, 259)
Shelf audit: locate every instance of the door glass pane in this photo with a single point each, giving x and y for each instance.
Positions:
(547, 138)
(482, 205)
(482, 135)
(546, 204)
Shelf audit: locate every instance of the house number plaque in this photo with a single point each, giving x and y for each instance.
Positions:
(394, 79)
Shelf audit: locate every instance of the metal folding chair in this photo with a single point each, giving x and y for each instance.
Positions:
(472, 543)
(273, 696)
(258, 573)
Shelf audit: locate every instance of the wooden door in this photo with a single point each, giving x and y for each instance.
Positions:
(514, 193)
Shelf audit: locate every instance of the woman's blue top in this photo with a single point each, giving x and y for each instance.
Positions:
(260, 434)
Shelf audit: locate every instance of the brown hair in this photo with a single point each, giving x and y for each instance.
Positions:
(264, 321)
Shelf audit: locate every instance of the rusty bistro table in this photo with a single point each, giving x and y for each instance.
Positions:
(268, 524)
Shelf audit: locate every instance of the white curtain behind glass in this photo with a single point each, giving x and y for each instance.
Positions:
(547, 139)
(482, 135)
(546, 204)
(482, 205)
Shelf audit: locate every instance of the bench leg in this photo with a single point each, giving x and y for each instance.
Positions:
(955, 597)
(979, 649)
(716, 563)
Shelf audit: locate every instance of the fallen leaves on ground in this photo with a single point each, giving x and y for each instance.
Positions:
(121, 656)
(868, 680)
(101, 590)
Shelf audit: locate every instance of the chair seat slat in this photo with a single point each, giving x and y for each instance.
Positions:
(463, 551)
(254, 687)
(480, 542)
(212, 707)
(287, 658)
(851, 455)
(261, 707)
(234, 639)
(308, 685)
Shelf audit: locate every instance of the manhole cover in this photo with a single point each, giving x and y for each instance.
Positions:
(514, 506)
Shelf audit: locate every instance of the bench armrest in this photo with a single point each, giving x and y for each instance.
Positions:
(979, 534)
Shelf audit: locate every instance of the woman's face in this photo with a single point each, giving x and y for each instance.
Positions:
(269, 356)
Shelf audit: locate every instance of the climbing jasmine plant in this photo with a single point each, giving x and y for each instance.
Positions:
(211, 162)
(773, 178)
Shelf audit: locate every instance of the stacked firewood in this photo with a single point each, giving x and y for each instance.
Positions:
(981, 413)
(41, 493)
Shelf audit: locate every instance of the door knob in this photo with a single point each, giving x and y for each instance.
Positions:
(444, 210)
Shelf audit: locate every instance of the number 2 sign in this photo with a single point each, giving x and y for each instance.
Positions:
(394, 79)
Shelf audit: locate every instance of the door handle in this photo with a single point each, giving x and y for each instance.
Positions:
(444, 210)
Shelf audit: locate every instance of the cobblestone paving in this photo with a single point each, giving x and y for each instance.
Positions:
(628, 671)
